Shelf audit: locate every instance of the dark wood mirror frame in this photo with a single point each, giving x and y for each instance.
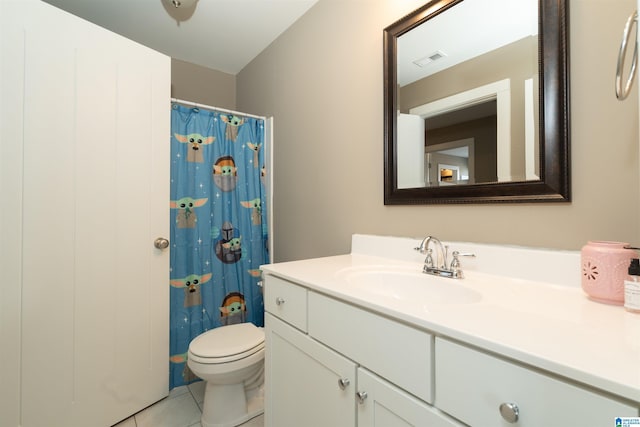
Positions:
(553, 69)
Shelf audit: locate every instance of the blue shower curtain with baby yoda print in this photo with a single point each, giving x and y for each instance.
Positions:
(218, 226)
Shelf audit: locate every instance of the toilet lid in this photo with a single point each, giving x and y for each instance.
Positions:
(227, 341)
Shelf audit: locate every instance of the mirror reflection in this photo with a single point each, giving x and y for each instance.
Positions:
(467, 96)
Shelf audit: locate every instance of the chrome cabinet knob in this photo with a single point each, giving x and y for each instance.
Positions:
(279, 301)
(510, 412)
(343, 383)
(161, 243)
(362, 396)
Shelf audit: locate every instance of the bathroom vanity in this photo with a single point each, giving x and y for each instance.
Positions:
(367, 339)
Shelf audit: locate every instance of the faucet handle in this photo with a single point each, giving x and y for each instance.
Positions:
(457, 254)
(428, 261)
(469, 254)
(455, 262)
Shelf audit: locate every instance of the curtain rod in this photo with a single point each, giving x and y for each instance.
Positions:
(209, 107)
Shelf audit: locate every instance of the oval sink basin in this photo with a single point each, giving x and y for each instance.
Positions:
(410, 286)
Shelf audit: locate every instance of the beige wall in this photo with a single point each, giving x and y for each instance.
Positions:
(322, 81)
(191, 82)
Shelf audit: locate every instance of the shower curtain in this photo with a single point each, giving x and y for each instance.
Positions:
(219, 230)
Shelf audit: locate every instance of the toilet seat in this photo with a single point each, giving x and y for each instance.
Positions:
(227, 344)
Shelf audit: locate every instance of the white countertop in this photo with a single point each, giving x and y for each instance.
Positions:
(551, 326)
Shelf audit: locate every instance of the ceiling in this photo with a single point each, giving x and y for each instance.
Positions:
(223, 35)
(457, 35)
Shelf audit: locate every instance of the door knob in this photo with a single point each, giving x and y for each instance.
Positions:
(161, 243)
(343, 383)
(279, 301)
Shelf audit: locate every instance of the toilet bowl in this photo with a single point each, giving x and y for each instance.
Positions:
(231, 361)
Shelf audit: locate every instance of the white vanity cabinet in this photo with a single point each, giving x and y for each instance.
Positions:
(334, 365)
(529, 350)
(472, 386)
(307, 383)
(331, 363)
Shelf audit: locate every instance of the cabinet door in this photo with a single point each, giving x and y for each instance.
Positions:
(472, 385)
(388, 406)
(303, 381)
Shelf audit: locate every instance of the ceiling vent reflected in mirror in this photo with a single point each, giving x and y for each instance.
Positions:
(429, 59)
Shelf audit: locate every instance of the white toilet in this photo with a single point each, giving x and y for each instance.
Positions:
(231, 361)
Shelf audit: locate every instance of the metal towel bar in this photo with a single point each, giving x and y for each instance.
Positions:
(622, 93)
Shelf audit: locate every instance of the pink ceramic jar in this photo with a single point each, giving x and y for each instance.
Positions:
(604, 269)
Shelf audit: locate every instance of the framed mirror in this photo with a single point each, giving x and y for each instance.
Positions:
(476, 103)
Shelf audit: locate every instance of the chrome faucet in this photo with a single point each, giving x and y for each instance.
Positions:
(440, 267)
(441, 252)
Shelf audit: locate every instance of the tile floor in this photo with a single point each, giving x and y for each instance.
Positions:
(182, 408)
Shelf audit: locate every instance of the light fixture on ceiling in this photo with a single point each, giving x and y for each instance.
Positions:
(180, 10)
(432, 57)
(182, 3)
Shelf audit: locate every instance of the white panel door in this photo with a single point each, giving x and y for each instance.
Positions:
(95, 189)
(410, 151)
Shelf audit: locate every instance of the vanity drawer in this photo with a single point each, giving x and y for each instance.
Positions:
(471, 386)
(286, 301)
(397, 352)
